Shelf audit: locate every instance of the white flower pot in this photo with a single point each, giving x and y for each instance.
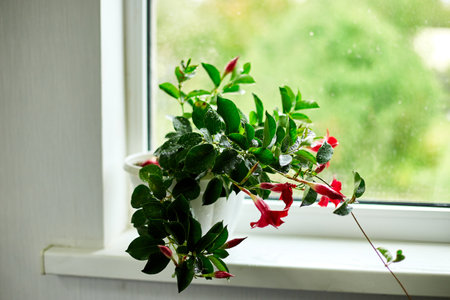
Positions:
(226, 210)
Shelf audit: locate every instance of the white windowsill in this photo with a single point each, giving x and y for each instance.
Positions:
(278, 259)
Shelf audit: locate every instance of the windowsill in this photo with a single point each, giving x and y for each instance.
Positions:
(278, 259)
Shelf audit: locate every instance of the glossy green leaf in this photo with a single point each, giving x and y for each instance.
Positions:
(218, 263)
(270, 127)
(263, 155)
(287, 98)
(324, 153)
(280, 134)
(359, 186)
(143, 246)
(399, 257)
(305, 104)
(343, 210)
(187, 187)
(309, 197)
(180, 74)
(249, 132)
(156, 228)
(170, 89)
(141, 195)
(213, 122)
(156, 263)
(154, 210)
(386, 253)
(226, 161)
(221, 253)
(156, 185)
(176, 229)
(209, 237)
(292, 131)
(206, 265)
(239, 139)
(200, 158)
(300, 117)
(219, 241)
(138, 219)
(212, 191)
(244, 79)
(213, 73)
(149, 170)
(230, 114)
(185, 273)
(182, 125)
(259, 108)
(195, 233)
(306, 155)
(198, 113)
(196, 93)
(246, 68)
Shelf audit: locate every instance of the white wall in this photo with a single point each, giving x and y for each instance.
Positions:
(51, 156)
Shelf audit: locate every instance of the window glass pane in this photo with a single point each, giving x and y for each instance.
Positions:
(379, 70)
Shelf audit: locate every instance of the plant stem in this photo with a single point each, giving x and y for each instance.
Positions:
(379, 255)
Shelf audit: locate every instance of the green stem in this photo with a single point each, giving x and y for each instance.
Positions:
(379, 256)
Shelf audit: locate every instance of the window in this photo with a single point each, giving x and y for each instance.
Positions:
(382, 85)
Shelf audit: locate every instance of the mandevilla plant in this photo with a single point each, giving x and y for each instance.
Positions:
(214, 140)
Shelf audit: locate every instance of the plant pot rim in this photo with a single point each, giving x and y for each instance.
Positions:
(131, 160)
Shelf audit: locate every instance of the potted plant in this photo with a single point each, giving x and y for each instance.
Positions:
(216, 151)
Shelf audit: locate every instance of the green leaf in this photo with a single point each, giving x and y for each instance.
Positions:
(300, 117)
(219, 241)
(195, 233)
(185, 273)
(206, 265)
(179, 208)
(221, 253)
(244, 79)
(263, 155)
(218, 263)
(386, 253)
(155, 210)
(226, 161)
(182, 125)
(343, 209)
(325, 153)
(200, 158)
(230, 114)
(359, 186)
(198, 113)
(280, 134)
(141, 195)
(196, 93)
(305, 104)
(156, 185)
(292, 132)
(187, 187)
(180, 74)
(189, 140)
(156, 263)
(270, 127)
(138, 219)
(213, 73)
(143, 246)
(213, 122)
(259, 108)
(399, 257)
(239, 139)
(305, 155)
(170, 89)
(177, 231)
(249, 132)
(309, 197)
(209, 237)
(231, 89)
(212, 191)
(287, 98)
(156, 229)
(246, 68)
(146, 172)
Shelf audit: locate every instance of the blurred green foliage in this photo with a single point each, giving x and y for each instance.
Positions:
(356, 58)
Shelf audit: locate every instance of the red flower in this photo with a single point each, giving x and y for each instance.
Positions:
(166, 251)
(268, 216)
(233, 243)
(230, 66)
(329, 139)
(321, 167)
(336, 185)
(222, 274)
(284, 188)
(151, 161)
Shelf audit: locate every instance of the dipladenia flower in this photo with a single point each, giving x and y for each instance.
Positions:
(326, 191)
(230, 66)
(166, 251)
(284, 188)
(320, 168)
(268, 216)
(336, 185)
(222, 274)
(329, 139)
(233, 243)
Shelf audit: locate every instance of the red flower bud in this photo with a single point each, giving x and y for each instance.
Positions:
(325, 190)
(233, 243)
(166, 251)
(320, 168)
(231, 65)
(222, 274)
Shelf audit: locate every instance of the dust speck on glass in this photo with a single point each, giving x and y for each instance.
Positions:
(379, 70)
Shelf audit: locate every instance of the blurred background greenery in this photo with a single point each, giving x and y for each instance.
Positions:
(389, 110)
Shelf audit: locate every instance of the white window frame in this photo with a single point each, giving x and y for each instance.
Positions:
(401, 225)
